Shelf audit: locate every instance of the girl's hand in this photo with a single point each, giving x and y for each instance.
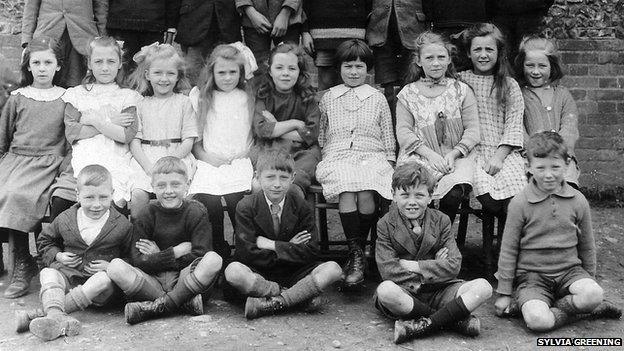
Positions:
(269, 116)
(301, 237)
(493, 165)
(281, 23)
(450, 159)
(438, 162)
(124, 119)
(147, 247)
(96, 266)
(258, 21)
(89, 118)
(68, 259)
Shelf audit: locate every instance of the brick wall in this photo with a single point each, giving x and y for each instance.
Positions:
(590, 36)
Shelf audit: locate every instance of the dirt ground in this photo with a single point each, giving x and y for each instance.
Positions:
(348, 320)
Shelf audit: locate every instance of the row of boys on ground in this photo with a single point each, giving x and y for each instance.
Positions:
(284, 85)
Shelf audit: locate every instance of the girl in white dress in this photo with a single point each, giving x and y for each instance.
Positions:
(167, 124)
(225, 111)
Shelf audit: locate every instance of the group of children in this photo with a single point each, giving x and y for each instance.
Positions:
(98, 149)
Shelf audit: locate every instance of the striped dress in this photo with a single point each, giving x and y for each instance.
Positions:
(500, 125)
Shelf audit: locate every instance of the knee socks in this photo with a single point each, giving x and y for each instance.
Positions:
(263, 288)
(76, 300)
(420, 309)
(186, 288)
(366, 222)
(453, 311)
(302, 291)
(52, 297)
(350, 224)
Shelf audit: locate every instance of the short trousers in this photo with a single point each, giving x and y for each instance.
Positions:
(325, 58)
(546, 287)
(156, 285)
(434, 295)
(103, 299)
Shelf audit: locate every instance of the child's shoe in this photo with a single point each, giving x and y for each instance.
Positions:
(136, 312)
(24, 269)
(54, 325)
(262, 306)
(411, 329)
(194, 306)
(23, 318)
(355, 266)
(606, 309)
(470, 326)
(513, 310)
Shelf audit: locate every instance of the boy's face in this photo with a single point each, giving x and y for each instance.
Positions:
(413, 201)
(170, 189)
(275, 183)
(548, 172)
(95, 200)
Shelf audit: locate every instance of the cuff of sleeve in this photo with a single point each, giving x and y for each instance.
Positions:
(505, 286)
(280, 248)
(50, 255)
(462, 149)
(169, 257)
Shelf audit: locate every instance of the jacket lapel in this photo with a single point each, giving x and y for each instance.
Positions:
(402, 234)
(73, 229)
(108, 226)
(289, 219)
(263, 216)
(428, 239)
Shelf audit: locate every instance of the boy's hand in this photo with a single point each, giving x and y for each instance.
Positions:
(301, 237)
(265, 243)
(501, 304)
(182, 249)
(409, 265)
(96, 266)
(281, 23)
(147, 247)
(69, 259)
(442, 254)
(258, 21)
(308, 43)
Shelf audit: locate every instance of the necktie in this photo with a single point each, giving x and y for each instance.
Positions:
(276, 219)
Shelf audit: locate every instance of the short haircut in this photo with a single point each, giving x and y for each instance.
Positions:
(275, 159)
(546, 144)
(93, 175)
(412, 174)
(353, 49)
(534, 42)
(168, 165)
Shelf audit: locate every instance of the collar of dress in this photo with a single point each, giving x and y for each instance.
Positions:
(31, 92)
(363, 91)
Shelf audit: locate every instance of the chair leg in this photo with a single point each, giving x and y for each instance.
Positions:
(322, 225)
(464, 211)
(488, 238)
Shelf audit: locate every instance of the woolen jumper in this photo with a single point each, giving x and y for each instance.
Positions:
(331, 22)
(545, 233)
(144, 15)
(169, 227)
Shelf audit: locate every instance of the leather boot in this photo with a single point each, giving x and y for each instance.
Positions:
(54, 325)
(194, 306)
(606, 309)
(23, 318)
(470, 326)
(407, 330)
(263, 306)
(136, 312)
(354, 268)
(24, 269)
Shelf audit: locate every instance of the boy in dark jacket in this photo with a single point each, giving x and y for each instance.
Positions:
(77, 248)
(276, 262)
(419, 261)
(172, 260)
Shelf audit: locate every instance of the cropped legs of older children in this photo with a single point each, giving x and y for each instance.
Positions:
(32, 148)
(275, 244)
(419, 261)
(171, 251)
(77, 248)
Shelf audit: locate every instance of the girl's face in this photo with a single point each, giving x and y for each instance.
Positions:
(163, 76)
(536, 68)
(226, 74)
(353, 73)
(104, 63)
(285, 71)
(43, 65)
(484, 54)
(434, 60)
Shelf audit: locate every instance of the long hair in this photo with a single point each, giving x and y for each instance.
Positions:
(39, 44)
(207, 85)
(415, 72)
(102, 42)
(144, 59)
(534, 42)
(501, 68)
(303, 86)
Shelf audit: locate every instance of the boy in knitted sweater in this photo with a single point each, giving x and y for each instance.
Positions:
(548, 253)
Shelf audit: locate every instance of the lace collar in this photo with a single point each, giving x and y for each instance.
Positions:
(31, 92)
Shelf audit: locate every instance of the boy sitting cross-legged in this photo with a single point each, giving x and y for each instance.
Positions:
(276, 262)
(418, 260)
(76, 248)
(548, 254)
(171, 254)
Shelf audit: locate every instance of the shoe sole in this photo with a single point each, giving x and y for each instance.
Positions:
(248, 310)
(397, 335)
(46, 328)
(22, 321)
(127, 313)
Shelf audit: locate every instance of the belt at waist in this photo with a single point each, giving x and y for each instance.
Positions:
(162, 142)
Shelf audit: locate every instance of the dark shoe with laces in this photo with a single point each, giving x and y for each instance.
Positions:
(137, 312)
(24, 270)
(411, 329)
(606, 309)
(355, 266)
(194, 306)
(264, 306)
(470, 326)
(23, 318)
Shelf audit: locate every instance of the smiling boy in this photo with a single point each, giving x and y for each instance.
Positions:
(418, 260)
(172, 260)
(276, 262)
(77, 248)
(548, 253)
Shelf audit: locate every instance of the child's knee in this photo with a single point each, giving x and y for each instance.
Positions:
(588, 295)
(119, 270)
(537, 317)
(482, 288)
(211, 263)
(388, 292)
(50, 275)
(101, 281)
(328, 271)
(236, 273)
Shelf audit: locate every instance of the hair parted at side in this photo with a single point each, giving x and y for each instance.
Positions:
(147, 56)
(42, 43)
(105, 42)
(426, 38)
(537, 43)
(410, 174)
(275, 159)
(303, 87)
(168, 165)
(352, 50)
(93, 175)
(502, 71)
(544, 144)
